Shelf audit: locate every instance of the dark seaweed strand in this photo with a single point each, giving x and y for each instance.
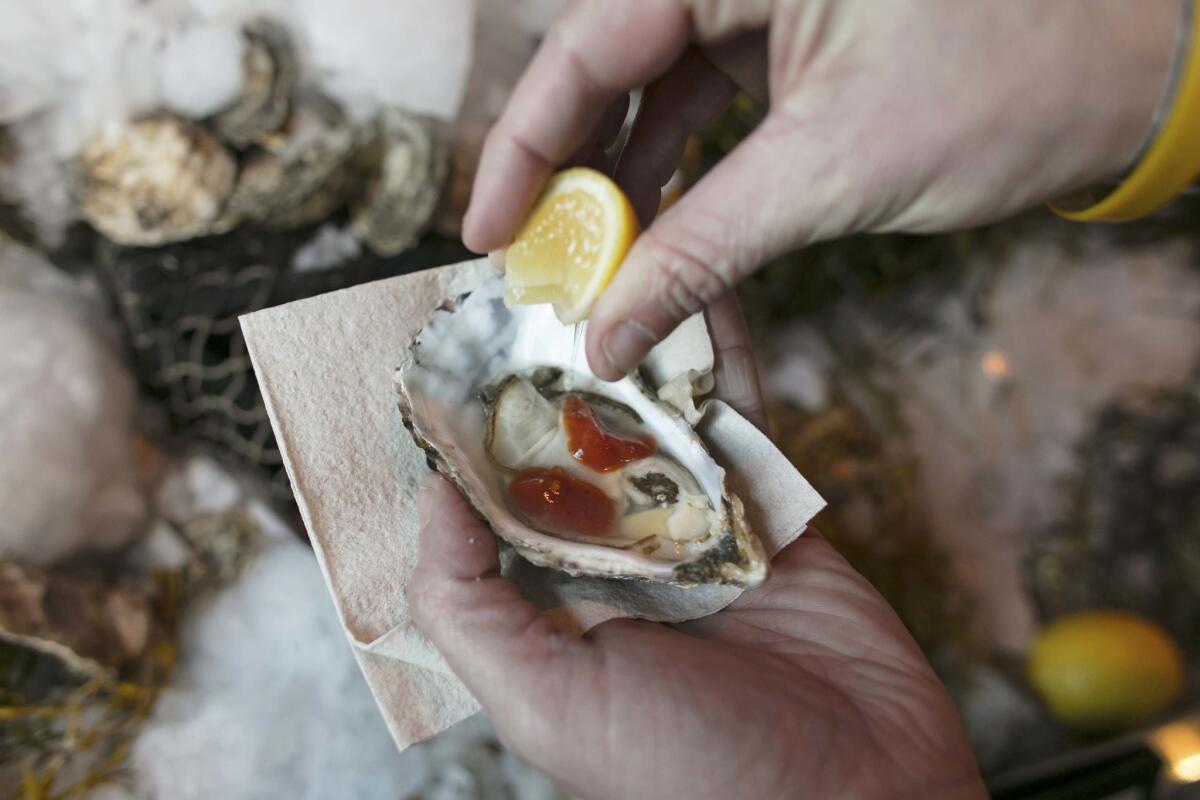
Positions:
(710, 568)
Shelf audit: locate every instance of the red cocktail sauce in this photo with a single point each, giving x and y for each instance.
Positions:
(592, 444)
(555, 499)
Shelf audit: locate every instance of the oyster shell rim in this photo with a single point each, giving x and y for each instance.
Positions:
(737, 559)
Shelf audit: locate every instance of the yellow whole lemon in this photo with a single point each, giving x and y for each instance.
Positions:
(1105, 671)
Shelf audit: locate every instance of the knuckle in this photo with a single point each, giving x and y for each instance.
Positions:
(563, 39)
(574, 61)
(497, 142)
(691, 270)
(561, 33)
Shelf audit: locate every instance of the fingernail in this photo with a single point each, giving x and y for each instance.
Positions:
(737, 379)
(626, 345)
(468, 226)
(497, 259)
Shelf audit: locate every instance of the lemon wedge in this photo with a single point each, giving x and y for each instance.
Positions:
(571, 244)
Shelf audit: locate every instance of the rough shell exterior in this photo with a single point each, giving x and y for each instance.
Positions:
(158, 180)
(408, 163)
(262, 107)
(304, 175)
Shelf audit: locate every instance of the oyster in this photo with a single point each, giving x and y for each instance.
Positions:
(407, 161)
(302, 176)
(575, 473)
(161, 179)
(271, 72)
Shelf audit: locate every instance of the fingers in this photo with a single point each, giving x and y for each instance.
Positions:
(510, 657)
(744, 59)
(592, 153)
(612, 121)
(735, 368)
(688, 97)
(719, 231)
(598, 50)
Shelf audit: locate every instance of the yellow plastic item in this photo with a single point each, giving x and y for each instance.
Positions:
(571, 245)
(1171, 163)
(1105, 671)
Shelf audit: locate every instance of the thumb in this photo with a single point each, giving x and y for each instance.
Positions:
(748, 209)
(515, 662)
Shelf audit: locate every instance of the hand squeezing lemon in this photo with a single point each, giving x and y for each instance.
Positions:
(571, 244)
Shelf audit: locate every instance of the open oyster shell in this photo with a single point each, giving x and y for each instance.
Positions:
(482, 391)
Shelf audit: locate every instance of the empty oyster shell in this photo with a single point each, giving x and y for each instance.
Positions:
(158, 180)
(502, 398)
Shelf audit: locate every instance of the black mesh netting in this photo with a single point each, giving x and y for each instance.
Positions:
(180, 305)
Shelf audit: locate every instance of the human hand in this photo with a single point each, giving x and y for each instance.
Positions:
(919, 116)
(808, 686)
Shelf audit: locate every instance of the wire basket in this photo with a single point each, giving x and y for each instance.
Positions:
(179, 306)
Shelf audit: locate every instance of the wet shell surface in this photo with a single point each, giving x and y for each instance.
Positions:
(500, 397)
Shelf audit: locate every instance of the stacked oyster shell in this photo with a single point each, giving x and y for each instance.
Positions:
(483, 391)
(158, 180)
(278, 156)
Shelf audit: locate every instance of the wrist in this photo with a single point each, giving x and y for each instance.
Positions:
(1132, 85)
(1171, 161)
(1184, 42)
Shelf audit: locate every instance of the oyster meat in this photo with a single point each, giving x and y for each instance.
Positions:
(577, 474)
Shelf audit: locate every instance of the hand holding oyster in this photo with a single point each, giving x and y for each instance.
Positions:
(356, 475)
